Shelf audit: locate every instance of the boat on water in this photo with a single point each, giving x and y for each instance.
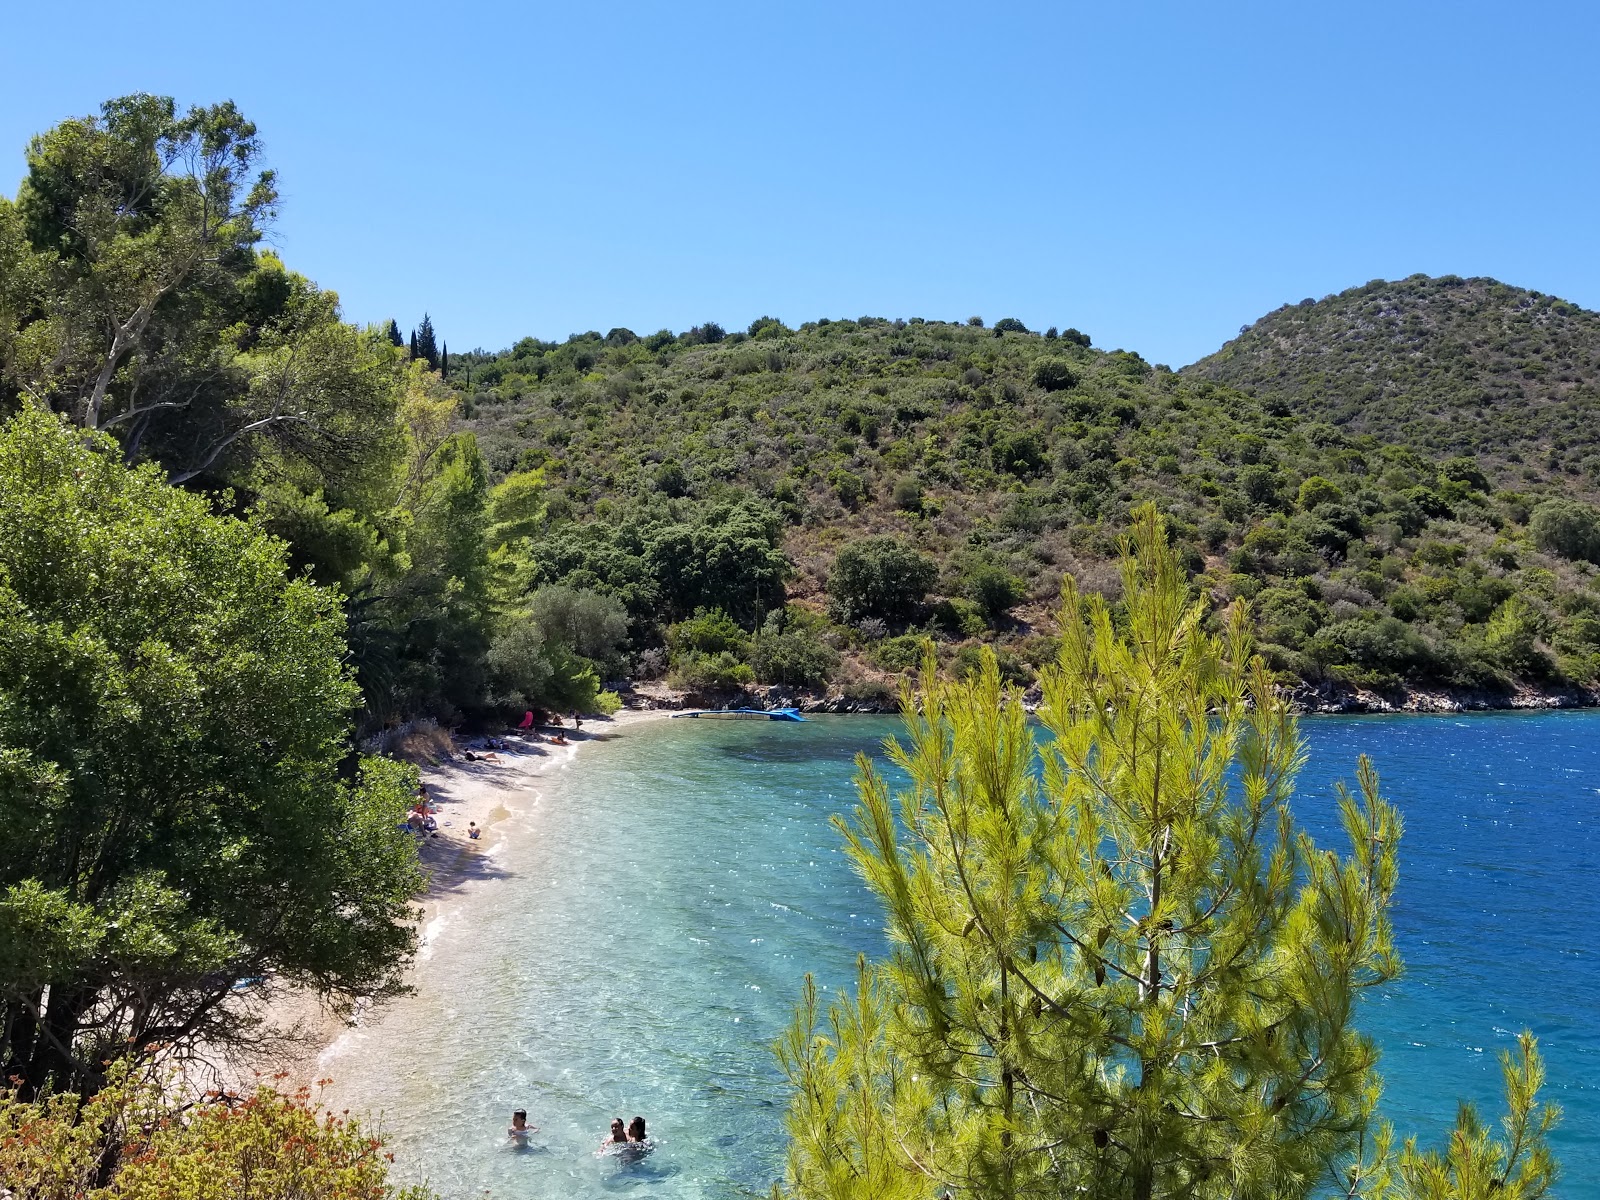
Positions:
(745, 714)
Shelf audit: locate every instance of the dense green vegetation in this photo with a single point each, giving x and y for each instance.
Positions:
(1117, 969)
(135, 301)
(1449, 366)
(180, 816)
(1005, 461)
(237, 533)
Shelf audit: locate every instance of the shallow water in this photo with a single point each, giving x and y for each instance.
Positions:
(663, 899)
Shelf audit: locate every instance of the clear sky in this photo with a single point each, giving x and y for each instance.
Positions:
(1156, 174)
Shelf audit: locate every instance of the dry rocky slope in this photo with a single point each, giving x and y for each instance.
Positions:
(1448, 365)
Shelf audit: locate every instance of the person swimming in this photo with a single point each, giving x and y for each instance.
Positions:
(619, 1134)
(636, 1130)
(520, 1129)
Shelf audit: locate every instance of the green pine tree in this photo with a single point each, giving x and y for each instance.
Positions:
(392, 332)
(1118, 969)
(427, 343)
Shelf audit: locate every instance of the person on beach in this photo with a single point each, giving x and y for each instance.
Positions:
(520, 1129)
(473, 831)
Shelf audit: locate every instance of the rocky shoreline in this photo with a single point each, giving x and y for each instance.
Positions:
(1325, 698)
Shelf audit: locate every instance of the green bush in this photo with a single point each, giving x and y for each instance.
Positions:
(796, 655)
(1568, 528)
(1055, 374)
(710, 672)
(993, 589)
(901, 654)
(879, 577)
(958, 617)
(1317, 490)
(847, 485)
(709, 631)
(907, 495)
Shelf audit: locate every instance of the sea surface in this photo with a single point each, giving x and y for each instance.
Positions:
(659, 904)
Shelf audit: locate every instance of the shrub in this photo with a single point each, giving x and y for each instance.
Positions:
(959, 618)
(1512, 638)
(907, 494)
(879, 577)
(1020, 453)
(130, 1142)
(1009, 325)
(671, 479)
(868, 691)
(902, 653)
(847, 485)
(1567, 528)
(608, 704)
(1317, 490)
(993, 589)
(1055, 374)
(588, 623)
(707, 632)
(711, 671)
(793, 652)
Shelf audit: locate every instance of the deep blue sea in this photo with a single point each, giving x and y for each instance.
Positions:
(655, 907)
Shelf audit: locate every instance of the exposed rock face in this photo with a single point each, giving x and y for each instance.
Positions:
(1341, 698)
(1307, 698)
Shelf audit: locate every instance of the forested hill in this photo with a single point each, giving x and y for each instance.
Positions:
(1450, 365)
(1002, 459)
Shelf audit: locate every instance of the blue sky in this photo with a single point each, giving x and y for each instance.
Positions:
(1156, 174)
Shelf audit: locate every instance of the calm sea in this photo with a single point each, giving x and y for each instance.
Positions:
(659, 908)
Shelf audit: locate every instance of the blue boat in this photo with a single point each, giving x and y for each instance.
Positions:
(745, 714)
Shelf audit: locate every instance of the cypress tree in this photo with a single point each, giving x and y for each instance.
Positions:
(393, 334)
(427, 346)
(1117, 969)
(413, 343)
(444, 361)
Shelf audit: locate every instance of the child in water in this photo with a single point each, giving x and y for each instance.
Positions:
(520, 1129)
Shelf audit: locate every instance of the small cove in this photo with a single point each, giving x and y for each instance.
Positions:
(661, 900)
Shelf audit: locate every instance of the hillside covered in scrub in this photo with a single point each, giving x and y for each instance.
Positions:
(1447, 365)
(924, 479)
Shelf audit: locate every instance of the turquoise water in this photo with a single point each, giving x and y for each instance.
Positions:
(657, 910)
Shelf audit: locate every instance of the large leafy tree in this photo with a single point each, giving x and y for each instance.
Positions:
(135, 301)
(1118, 969)
(180, 817)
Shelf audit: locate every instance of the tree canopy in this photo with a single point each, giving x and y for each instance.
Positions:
(174, 716)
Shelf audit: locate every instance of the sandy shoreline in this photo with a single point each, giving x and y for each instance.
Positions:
(488, 793)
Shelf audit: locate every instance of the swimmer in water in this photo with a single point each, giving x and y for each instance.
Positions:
(636, 1130)
(619, 1135)
(520, 1128)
